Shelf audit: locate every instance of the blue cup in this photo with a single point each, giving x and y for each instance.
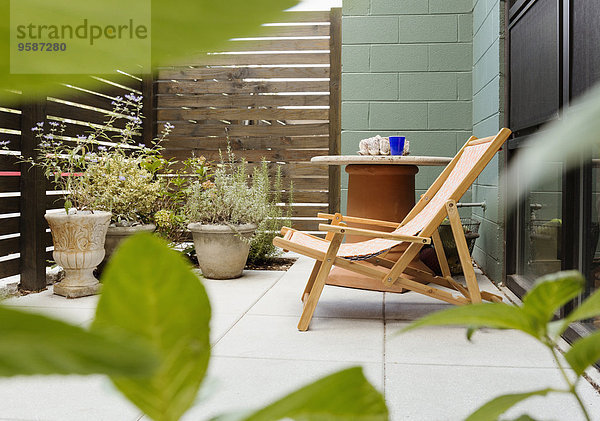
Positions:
(397, 145)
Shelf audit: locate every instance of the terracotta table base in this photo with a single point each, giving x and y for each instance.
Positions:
(384, 192)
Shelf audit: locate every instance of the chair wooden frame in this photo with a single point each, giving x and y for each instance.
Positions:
(399, 272)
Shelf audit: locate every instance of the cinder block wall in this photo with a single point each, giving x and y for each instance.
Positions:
(407, 70)
(488, 118)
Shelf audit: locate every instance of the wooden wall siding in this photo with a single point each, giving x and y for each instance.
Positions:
(25, 240)
(268, 96)
(10, 130)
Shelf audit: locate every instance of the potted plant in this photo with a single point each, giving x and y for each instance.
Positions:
(78, 232)
(106, 177)
(224, 214)
(176, 179)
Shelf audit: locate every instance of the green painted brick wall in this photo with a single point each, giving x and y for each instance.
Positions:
(488, 118)
(407, 70)
(431, 70)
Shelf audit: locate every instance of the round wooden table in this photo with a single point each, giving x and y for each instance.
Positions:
(380, 187)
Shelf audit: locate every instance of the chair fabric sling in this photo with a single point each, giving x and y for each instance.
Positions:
(418, 228)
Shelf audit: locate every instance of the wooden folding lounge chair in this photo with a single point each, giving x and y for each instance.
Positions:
(420, 227)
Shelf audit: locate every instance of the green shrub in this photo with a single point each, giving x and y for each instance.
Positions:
(278, 215)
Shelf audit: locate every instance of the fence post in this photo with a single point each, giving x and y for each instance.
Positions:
(149, 109)
(335, 106)
(33, 203)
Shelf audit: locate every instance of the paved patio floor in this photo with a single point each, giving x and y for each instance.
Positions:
(258, 355)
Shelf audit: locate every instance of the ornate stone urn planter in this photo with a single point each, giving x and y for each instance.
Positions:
(115, 235)
(221, 250)
(78, 248)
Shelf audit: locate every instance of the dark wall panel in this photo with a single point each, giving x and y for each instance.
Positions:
(534, 70)
(585, 45)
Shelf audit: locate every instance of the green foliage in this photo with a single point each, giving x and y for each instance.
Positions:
(261, 247)
(229, 199)
(549, 294)
(498, 406)
(176, 179)
(150, 292)
(34, 344)
(105, 169)
(534, 317)
(179, 28)
(586, 310)
(584, 353)
(359, 401)
(119, 184)
(496, 315)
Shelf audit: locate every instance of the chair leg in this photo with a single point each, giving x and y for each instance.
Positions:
(337, 220)
(409, 254)
(441, 255)
(463, 252)
(317, 288)
(311, 280)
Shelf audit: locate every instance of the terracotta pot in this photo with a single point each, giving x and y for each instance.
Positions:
(221, 250)
(78, 248)
(115, 235)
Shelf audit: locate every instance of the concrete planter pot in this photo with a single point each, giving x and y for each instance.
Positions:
(116, 235)
(221, 251)
(78, 248)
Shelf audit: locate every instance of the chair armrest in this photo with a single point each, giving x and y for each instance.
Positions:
(358, 220)
(374, 234)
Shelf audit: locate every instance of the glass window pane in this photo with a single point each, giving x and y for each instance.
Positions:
(541, 227)
(592, 234)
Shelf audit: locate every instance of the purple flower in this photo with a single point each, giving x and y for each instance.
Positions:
(169, 126)
(48, 136)
(137, 120)
(133, 98)
(141, 145)
(40, 124)
(81, 137)
(35, 129)
(122, 178)
(54, 123)
(4, 142)
(101, 148)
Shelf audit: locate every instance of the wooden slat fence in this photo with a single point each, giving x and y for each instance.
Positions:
(274, 96)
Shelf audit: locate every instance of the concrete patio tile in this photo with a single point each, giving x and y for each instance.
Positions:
(63, 398)
(392, 301)
(48, 299)
(75, 316)
(284, 300)
(241, 384)
(238, 295)
(430, 392)
(344, 340)
(220, 323)
(448, 345)
(395, 310)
